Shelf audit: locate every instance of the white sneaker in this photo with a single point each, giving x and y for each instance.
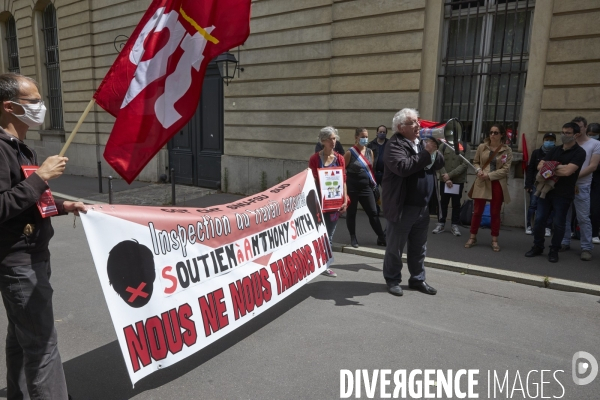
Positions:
(329, 272)
(455, 230)
(549, 233)
(596, 240)
(438, 228)
(528, 231)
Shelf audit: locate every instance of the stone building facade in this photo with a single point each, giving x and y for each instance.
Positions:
(312, 63)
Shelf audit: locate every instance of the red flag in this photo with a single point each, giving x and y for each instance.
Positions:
(525, 152)
(154, 86)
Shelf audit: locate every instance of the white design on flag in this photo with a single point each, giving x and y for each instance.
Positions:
(179, 82)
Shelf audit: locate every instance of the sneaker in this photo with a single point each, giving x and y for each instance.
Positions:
(548, 232)
(528, 231)
(553, 256)
(329, 272)
(563, 248)
(596, 240)
(455, 230)
(585, 255)
(438, 228)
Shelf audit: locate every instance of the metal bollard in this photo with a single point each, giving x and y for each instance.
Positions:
(172, 186)
(110, 190)
(99, 177)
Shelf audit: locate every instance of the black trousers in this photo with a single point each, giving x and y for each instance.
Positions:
(34, 367)
(367, 201)
(445, 199)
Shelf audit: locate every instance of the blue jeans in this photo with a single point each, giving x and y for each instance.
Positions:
(582, 209)
(330, 225)
(533, 201)
(560, 206)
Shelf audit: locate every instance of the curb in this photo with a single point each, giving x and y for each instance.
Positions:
(478, 270)
(72, 198)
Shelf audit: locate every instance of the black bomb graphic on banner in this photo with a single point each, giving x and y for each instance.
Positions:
(314, 205)
(131, 272)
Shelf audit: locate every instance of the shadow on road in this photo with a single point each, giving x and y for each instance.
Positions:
(102, 374)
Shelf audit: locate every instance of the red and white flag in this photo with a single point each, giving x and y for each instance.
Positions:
(154, 86)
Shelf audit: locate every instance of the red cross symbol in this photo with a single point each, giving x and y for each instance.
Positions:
(136, 292)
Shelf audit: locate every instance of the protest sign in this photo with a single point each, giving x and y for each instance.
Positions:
(177, 279)
(331, 183)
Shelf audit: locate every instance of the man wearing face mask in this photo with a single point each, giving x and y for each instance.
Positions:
(34, 368)
(536, 156)
(377, 145)
(571, 157)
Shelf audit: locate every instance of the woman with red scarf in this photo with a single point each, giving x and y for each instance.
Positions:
(361, 183)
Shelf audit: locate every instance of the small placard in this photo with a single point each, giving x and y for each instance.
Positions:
(331, 183)
(45, 203)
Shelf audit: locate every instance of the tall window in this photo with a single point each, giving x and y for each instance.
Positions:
(484, 67)
(11, 45)
(52, 67)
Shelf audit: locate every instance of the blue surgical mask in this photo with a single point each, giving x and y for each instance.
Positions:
(549, 144)
(381, 135)
(363, 141)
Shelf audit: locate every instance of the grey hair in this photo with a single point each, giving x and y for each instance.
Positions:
(402, 115)
(10, 85)
(326, 132)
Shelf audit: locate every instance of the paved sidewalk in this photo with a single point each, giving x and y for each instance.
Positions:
(296, 349)
(444, 246)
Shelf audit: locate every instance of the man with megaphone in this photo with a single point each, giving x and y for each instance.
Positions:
(409, 178)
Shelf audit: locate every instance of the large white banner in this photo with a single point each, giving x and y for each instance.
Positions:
(177, 279)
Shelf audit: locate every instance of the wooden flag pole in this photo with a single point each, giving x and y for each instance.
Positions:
(81, 119)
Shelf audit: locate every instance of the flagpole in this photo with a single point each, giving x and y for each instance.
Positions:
(81, 119)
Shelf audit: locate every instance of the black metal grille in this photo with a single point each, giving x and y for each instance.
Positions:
(11, 45)
(54, 93)
(484, 67)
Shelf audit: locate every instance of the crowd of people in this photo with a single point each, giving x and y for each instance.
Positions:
(409, 174)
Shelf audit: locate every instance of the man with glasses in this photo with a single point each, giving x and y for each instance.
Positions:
(571, 158)
(409, 179)
(34, 368)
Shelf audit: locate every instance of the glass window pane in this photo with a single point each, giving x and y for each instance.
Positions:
(513, 28)
(464, 37)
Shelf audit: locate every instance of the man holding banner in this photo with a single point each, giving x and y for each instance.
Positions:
(34, 367)
(409, 179)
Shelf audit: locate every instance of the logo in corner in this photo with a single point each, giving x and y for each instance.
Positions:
(581, 367)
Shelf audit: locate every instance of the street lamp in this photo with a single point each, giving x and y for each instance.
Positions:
(227, 64)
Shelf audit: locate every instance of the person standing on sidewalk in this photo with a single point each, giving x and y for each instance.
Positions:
(329, 158)
(34, 367)
(536, 156)
(492, 160)
(571, 157)
(583, 186)
(377, 145)
(409, 179)
(361, 184)
(593, 132)
(453, 173)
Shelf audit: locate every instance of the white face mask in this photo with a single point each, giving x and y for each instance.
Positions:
(34, 114)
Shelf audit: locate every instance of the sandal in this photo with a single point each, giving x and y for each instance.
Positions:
(470, 243)
(495, 246)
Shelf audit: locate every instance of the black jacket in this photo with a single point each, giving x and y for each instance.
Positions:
(18, 197)
(401, 161)
(374, 146)
(536, 156)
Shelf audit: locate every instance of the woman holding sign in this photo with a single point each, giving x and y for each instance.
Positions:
(329, 170)
(362, 186)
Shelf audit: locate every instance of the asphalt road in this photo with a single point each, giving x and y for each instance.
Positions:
(296, 349)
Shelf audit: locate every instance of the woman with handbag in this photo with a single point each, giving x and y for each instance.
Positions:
(492, 162)
(328, 158)
(362, 187)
